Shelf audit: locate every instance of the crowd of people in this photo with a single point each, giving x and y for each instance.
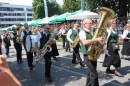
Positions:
(68, 33)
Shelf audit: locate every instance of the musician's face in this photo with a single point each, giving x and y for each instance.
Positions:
(88, 24)
(47, 28)
(76, 26)
(26, 26)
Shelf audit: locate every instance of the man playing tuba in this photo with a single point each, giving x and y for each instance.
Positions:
(86, 40)
(43, 37)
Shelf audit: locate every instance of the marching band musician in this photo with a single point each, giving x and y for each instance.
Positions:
(23, 38)
(6, 38)
(0, 45)
(54, 46)
(43, 37)
(113, 58)
(71, 35)
(126, 41)
(86, 40)
(18, 47)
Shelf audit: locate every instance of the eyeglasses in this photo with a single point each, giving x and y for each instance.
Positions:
(47, 28)
(88, 23)
(113, 23)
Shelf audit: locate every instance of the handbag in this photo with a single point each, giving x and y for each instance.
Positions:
(115, 46)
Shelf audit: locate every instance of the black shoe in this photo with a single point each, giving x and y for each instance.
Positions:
(21, 61)
(109, 71)
(75, 62)
(18, 62)
(82, 64)
(49, 79)
(55, 58)
(31, 68)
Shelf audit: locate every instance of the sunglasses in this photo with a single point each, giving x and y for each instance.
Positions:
(47, 28)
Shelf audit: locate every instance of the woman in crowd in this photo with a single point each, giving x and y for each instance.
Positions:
(54, 46)
(113, 58)
(126, 41)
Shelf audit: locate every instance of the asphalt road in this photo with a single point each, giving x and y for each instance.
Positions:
(64, 73)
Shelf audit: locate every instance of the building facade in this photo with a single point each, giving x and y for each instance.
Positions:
(14, 14)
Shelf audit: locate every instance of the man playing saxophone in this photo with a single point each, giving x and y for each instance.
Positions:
(86, 40)
(71, 37)
(43, 37)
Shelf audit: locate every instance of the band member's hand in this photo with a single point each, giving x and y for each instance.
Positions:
(50, 43)
(3, 63)
(100, 40)
(38, 51)
(72, 43)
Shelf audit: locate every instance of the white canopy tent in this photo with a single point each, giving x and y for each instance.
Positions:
(83, 15)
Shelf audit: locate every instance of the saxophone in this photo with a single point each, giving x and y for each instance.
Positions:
(76, 41)
(105, 14)
(44, 50)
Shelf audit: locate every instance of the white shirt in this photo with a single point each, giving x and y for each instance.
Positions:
(60, 31)
(63, 31)
(82, 33)
(69, 34)
(22, 34)
(125, 33)
(39, 37)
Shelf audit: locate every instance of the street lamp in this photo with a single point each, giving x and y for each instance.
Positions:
(82, 4)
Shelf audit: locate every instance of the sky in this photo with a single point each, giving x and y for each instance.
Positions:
(25, 2)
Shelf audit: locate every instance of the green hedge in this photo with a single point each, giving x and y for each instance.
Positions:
(59, 40)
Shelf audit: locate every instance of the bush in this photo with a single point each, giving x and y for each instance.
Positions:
(59, 40)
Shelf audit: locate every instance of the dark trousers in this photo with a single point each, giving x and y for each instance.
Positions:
(29, 57)
(0, 50)
(7, 49)
(76, 54)
(67, 45)
(92, 77)
(63, 40)
(18, 48)
(47, 58)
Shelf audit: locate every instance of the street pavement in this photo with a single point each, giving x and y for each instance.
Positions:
(63, 72)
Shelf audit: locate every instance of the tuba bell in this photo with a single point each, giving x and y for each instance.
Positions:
(19, 33)
(94, 50)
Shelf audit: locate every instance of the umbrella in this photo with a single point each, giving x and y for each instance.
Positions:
(62, 17)
(82, 15)
(47, 20)
(35, 23)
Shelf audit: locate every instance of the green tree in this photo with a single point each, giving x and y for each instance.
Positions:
(71, 6)
(38, 8)
(121, 7)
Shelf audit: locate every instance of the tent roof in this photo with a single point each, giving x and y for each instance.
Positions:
(82, 15)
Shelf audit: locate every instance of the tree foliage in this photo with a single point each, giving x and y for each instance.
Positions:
(38, 8)
(121, 7)
(71, 6)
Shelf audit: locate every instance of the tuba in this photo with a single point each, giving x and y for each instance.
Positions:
(44, 50)
(94, 50)
(19, 33)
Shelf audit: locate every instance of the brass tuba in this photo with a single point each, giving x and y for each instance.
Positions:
(19, 33)
(44, 50)
(105, 14)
